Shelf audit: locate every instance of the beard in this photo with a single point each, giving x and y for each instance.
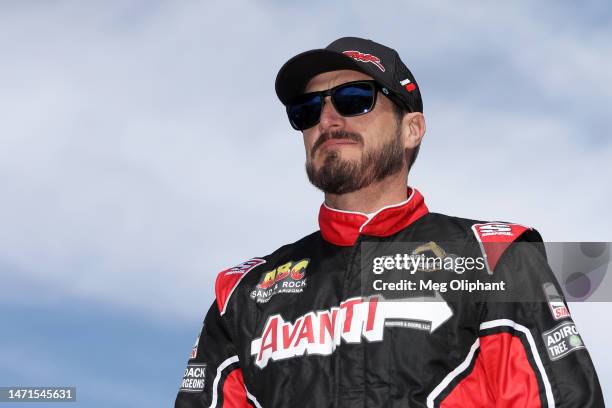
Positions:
(338, 176)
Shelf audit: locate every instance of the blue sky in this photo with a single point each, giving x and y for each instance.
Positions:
(143, 150)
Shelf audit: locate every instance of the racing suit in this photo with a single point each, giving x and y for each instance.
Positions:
(302, 328)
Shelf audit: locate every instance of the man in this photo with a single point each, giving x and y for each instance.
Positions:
(337, 320)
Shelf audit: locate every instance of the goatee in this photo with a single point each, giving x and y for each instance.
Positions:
(338, 176)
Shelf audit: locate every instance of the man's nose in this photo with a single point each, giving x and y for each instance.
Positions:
(330, 118)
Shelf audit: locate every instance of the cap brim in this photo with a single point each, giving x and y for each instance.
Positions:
(295, 74)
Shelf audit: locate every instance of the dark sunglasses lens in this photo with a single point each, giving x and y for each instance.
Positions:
(354, 99)
(305, 111)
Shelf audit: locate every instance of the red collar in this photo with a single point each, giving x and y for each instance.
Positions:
(343, 227)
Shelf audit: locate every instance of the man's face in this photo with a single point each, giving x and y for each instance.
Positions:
(345, 154)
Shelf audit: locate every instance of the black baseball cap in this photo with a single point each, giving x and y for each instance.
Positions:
(376, 60)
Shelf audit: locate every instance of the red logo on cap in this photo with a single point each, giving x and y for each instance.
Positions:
(360, 56)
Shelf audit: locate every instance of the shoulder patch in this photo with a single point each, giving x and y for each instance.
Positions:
(494, 238)
(228, 279)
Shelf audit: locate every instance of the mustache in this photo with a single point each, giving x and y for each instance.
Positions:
(338, 134)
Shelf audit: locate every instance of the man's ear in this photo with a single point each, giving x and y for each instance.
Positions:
(413, 129)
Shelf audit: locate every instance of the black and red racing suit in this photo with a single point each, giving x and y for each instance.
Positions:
(301, 328)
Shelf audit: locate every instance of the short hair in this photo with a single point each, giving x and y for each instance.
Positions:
(399, 112)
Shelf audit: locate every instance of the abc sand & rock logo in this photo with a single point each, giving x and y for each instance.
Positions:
(289, 277)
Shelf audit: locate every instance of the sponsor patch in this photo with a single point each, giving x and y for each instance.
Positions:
(290, 277)
(194, 350)
(495, 238)
(228, 279)
(194, 378)
(562, 340)
(244, 267)
(354, 321)
(494, 229)
(363, 57)
(555, 302)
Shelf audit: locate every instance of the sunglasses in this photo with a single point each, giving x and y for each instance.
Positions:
(349, 99)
